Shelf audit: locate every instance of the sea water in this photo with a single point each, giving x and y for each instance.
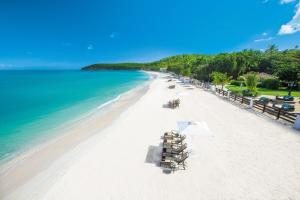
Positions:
(33, 103)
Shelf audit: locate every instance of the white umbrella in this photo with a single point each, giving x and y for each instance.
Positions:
(191, 128)
(194, 131)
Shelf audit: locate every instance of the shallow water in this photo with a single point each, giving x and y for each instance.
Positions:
(34, 103)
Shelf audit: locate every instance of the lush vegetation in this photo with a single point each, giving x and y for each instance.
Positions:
(282, 66)
(251, 80)
(220, 78)
(116, 66)
(263, 91)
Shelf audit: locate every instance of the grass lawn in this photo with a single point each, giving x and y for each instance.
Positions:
(264, 91)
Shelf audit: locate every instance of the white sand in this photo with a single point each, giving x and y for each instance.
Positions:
(246, 156)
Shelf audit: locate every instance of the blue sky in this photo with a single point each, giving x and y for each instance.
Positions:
(73, 33)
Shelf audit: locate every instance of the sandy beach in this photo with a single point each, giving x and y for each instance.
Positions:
(113, 154)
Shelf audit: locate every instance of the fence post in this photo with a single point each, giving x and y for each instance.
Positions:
(214, 89)
(223, 92)
(251, 103)
(278, 114)
(297, 122)
(242, 101)
(234, 97)
(264, 108)
(228, 94)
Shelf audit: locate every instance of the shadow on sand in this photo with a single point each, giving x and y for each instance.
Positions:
(154, 156)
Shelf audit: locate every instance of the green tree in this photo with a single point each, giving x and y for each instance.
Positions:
(283, 64)
(251, 81)
(220, 78)
(272, 49)
(186, 72)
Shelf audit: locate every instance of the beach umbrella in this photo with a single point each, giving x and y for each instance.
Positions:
(191, 128)
(195, 132)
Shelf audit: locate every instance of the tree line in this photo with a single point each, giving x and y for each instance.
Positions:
(285, 65)
(282, 64)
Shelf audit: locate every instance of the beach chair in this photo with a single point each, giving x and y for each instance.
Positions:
(178, 150)
(170, 165)
(177, 102)
(172, 134)
(175, 140)
(171, 86)
(173, 137)
(173, 103)
(174, 157)
(174, 164)
(173, 145)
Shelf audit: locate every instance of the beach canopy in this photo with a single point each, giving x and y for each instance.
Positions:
(193, 128)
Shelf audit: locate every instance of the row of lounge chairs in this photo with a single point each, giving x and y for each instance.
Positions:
(173, 103)
(174, 153)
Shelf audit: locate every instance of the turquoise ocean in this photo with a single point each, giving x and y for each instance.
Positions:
(35, 103)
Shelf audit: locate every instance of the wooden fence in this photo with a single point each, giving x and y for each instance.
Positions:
(278, 113)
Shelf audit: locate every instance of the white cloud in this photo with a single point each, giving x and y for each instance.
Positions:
(292, 26)
(264, 39)
(90, 47)
(286, 1)
(264, 34)
(265, 1)
(289, 29)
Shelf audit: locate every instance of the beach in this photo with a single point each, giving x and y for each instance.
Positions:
(113, 153)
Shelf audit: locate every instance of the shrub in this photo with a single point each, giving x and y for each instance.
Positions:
(237, 83)
(241, 78)
(271, 83)
(260, 85)
(251, 82)
(248, 93)
(298, 86)
(220, 78)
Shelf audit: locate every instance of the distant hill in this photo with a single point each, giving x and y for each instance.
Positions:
(115, 66)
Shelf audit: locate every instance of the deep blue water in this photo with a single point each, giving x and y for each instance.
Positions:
(32, 103)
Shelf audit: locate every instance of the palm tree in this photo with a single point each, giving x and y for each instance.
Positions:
(272, 49)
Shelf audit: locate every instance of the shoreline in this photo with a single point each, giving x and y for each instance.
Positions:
(18, 170)
(233, 154)
(24, 125)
